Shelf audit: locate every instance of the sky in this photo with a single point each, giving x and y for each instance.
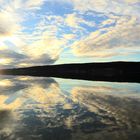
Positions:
(47, 32)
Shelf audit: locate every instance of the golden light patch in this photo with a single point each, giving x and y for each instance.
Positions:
(6, 83)
(23, 78)
(5, 61)
(67, 106)
(23, 65)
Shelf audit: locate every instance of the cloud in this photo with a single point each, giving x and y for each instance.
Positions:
(121, 7)
(14, 12)
(33, 4)
(8, 24)
(11, 54)
(121, 39)
(42, 60)
(69, 36)
(10, 59)
(30, 29)
(108, 22)
(48, 43)
(31, 46)
(74, 20)
(132, 1)
(22, 4)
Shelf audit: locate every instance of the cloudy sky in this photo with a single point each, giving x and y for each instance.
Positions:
(38, 32)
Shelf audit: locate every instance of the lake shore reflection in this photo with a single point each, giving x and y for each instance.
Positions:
(37, 108)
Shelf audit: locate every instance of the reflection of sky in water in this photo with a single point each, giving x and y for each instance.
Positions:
(58, 109)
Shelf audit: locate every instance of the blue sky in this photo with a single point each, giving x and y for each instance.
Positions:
(44, 32)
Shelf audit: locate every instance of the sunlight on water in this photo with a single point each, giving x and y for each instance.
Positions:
(57, 109)
(6, 83)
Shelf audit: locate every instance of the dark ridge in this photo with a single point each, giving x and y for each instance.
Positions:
(111, 71)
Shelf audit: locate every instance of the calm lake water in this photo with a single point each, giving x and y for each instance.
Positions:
(33, 108)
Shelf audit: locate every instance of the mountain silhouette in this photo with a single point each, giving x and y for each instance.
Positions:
(109, 71)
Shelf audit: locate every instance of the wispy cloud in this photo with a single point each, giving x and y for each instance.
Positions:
(52, 29)
(121, 39)
(120, 7)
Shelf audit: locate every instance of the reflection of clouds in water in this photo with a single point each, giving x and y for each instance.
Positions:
(43, 96)
(45, 111)
(104, 98)
(117, 111)
(23, 96)
(13, 84)
(8, 124)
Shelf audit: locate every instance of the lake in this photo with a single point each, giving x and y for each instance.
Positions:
(38, 108)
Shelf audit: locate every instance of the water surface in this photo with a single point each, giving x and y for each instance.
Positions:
(37, 108)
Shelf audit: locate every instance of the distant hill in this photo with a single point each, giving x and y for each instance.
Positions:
(111, 71)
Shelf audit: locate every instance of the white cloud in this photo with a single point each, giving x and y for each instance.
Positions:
(108, 22)
(39, 35)
(34, 4)
(10, 59)
(74, 20)
(14, 12)
(9, 24)
(122, 7)
(69, 36)
(132, 1)
(122, 39)
(12, 15)
(48, 43)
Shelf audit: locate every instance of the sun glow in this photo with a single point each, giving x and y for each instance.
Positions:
(5, 61)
